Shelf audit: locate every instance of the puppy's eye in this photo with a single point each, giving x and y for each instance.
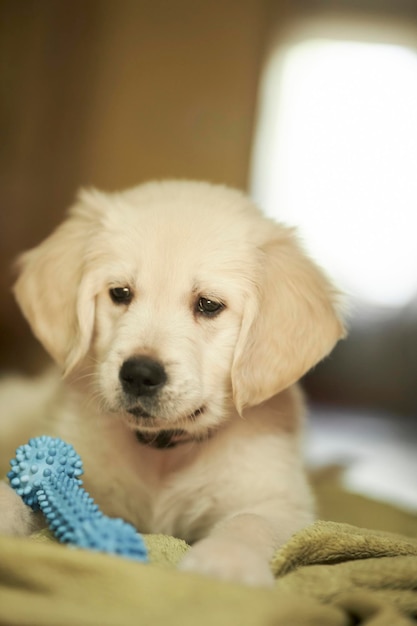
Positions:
(121, 295)
(209, 307)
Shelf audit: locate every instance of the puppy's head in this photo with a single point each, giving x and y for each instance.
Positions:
(183, 300)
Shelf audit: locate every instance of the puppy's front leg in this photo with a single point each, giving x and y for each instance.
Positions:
(238, 549)
(16, 518)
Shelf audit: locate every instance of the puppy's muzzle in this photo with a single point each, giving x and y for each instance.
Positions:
(142, 377)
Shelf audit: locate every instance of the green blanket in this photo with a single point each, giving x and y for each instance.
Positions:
(329, 574)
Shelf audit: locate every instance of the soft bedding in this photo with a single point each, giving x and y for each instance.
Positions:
(329, 574)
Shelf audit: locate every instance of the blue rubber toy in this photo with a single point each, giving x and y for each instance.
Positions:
(45, 473)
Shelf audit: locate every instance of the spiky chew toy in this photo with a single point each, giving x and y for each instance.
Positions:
(45, 473)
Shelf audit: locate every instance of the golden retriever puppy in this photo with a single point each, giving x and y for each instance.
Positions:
(181, 318)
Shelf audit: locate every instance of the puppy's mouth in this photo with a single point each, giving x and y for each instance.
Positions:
(164, 438)
(149, 432)
(139, 412)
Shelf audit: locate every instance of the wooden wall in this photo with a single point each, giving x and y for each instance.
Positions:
(110, 93)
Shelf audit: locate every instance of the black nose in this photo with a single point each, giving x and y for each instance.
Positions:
(142, 376)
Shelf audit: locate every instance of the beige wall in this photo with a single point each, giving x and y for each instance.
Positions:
(112, 92)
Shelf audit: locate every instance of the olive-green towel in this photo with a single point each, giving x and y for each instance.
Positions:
(329, 574)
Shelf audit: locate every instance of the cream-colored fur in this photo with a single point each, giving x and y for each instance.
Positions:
(235, 487)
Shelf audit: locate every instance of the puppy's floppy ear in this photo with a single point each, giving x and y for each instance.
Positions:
(53, 290)
(289, 325)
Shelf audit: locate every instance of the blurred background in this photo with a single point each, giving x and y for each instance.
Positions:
(309, 105)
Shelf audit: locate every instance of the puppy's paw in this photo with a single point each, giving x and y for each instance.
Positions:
(16, 518)
(228, 560)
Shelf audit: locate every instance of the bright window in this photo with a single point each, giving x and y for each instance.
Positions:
(336, 155)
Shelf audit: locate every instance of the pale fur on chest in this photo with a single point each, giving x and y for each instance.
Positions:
(248, 464)
(251, 464)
